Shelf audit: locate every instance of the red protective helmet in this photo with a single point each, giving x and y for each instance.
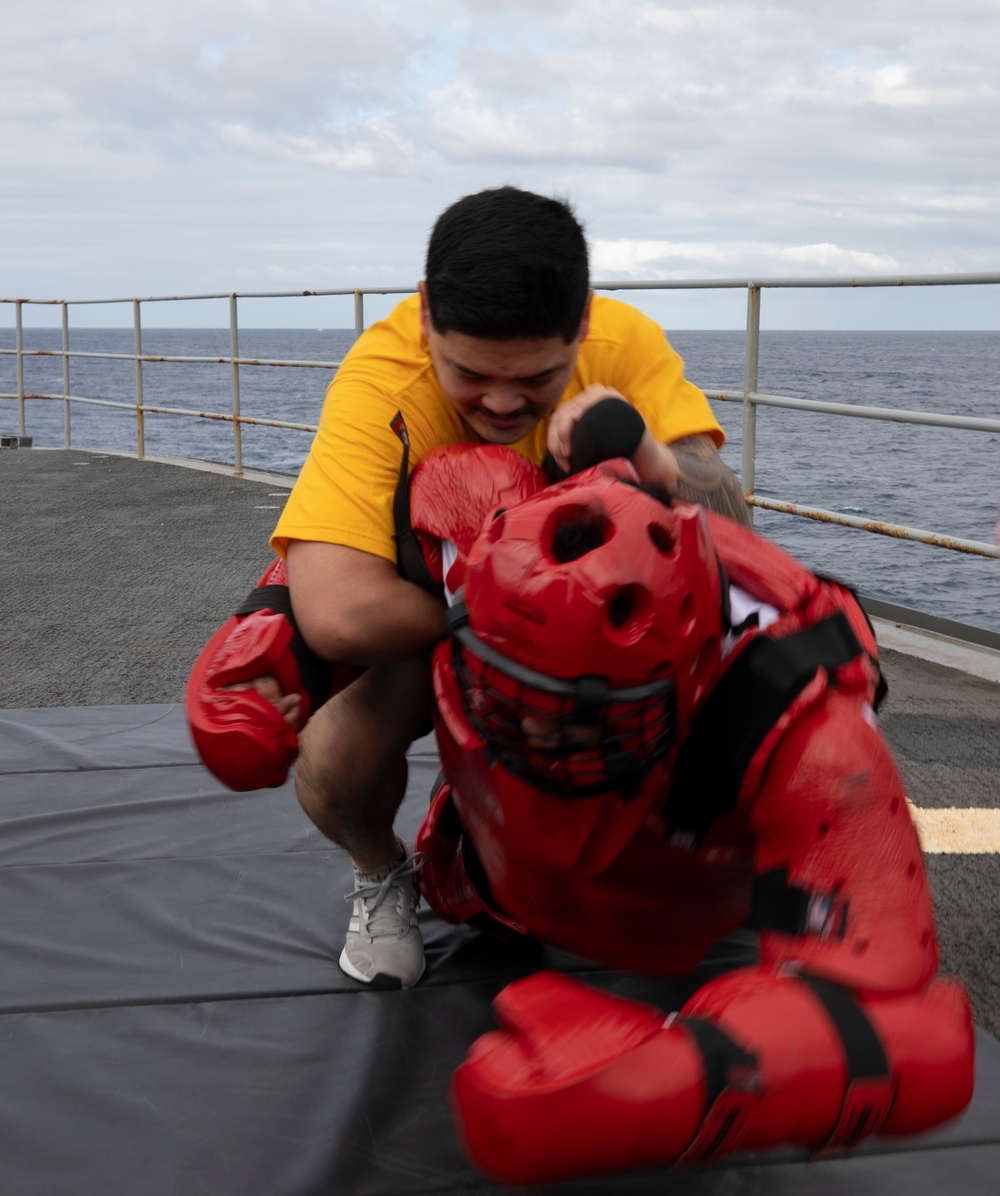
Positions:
(590, 632)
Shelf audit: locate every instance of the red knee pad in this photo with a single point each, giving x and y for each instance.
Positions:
(241, 737)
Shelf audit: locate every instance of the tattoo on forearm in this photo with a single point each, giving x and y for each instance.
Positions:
(705, 479)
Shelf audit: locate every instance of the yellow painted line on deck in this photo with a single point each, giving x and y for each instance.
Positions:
(958, 832)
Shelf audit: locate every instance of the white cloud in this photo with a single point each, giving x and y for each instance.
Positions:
(672, 260)
(156, 147)
(833, 258)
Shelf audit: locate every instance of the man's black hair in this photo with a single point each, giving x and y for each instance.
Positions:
(507, 264)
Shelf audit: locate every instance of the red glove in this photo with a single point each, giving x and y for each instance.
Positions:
(241, 737)
(454, 490)
(575, 1082)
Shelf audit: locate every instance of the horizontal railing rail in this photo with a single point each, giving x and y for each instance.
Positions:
(749, 396)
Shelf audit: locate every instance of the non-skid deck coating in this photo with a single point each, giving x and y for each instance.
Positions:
(171, 1014)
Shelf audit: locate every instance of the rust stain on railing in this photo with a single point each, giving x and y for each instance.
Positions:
(231, 419)
(879, 527)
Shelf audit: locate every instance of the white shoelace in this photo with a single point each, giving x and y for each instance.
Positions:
(372, 894)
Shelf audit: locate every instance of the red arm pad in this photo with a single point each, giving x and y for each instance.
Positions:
(241, 737)
(455, 489)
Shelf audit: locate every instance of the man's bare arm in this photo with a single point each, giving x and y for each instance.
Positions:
(354, 607)
(704, 478)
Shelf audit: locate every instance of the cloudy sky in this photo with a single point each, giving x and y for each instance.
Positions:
(153, 148)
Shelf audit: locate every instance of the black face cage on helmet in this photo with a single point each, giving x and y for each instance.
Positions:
(570, 738)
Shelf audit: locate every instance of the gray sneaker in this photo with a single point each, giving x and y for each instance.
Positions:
(384, 947)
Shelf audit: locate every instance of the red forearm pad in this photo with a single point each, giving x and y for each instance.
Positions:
(820, 1083)
(576, 1082)
(454, 489)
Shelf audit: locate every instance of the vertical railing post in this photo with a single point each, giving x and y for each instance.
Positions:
(234, 353)
(359, 314)
(140, 429)
(750, 371)
(65, 359)
(19, 345)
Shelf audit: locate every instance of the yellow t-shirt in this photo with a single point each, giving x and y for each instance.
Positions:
(345, 491)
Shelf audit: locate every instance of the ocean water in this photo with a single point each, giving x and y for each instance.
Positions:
(940, 480)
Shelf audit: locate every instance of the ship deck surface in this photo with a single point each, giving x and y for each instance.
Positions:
(171, 1006)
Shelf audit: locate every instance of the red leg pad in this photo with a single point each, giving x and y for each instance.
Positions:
(443, 880)
(930, 1040)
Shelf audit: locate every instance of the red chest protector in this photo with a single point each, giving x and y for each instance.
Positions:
(656, 901)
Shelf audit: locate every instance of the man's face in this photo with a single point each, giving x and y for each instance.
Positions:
(500, 388)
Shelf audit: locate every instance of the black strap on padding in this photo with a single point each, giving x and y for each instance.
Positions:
(410, 561)
(777, 905)
(882, 686)
(726, 1063)
(787, 908)
(865, 1055)
(313, 669)
(760, 685)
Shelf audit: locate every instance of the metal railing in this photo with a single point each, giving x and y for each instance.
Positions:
(749, 396)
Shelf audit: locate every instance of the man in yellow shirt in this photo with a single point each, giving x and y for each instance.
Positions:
(505, 343)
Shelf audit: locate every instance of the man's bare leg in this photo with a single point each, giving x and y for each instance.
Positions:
(350, 779)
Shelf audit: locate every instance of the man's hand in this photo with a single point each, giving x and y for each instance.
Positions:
(689, 468)
(289, 706)
(565, 417)
(655, 463)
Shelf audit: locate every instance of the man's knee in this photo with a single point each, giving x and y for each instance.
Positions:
(356, 743)
(394, 701)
